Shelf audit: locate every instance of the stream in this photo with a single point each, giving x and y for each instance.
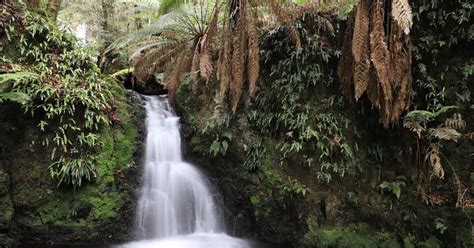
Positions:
(176, 207)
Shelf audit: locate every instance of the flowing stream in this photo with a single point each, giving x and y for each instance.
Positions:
(176, 207)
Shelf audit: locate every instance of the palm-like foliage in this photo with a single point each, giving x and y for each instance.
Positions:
(182, 38)
(185, 38)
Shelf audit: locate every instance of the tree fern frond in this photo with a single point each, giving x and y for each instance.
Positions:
(17, 77)
(195, 68)
(179, 69)
(225, 61)
(456, 122)
(445, 133)
(413, 126)
(284, 17)
(360, 49)
(238, 59)
(165, 22)
(254, 53)
(401, 13)
(346, 63)
(154, 60)
(17, 97)
(167, 6)
(205, 66)
(434, 160)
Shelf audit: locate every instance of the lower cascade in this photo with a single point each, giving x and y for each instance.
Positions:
(176, 207)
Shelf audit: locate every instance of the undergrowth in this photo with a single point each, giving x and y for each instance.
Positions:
(57, 82)
(284, 107)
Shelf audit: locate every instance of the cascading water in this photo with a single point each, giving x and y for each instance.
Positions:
(176, 207)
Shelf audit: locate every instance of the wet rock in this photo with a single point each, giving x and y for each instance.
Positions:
(4, 182)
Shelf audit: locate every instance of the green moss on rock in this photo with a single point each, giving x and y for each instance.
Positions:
(353, 236)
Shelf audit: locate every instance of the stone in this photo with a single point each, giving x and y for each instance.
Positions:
(4, 182)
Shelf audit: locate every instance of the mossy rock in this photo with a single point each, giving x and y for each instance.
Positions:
(99, 210)
(6, 211)
(354, 236)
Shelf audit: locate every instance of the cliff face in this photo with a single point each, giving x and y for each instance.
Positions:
(298, 165)
(35, 210)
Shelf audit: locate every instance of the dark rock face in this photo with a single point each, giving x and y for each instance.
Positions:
(33, 210)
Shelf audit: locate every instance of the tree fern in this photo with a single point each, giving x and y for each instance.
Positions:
(445, 133)
(167, 6)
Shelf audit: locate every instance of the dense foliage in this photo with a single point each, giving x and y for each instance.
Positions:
(283, 109)
(60, 85)
(443, 74)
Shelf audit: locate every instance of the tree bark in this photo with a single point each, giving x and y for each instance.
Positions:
(53, 8)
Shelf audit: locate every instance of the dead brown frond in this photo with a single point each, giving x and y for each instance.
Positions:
(254, 54)
(205, 66)
(225, 72)
(151, 61)
(445, 133)
(400, 51)
(325, 24)
(381, 62)
(238, 60)
(182, 65)
(379, 56)
(211, 29)
(434, 160)
(284, 17)
(195, 69)
(346, 63)
(401, 13)
(360, 49)
(469, 136)
(455, 123)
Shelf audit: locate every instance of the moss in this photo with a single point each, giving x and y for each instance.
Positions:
(6, 210)
(101, 198)
(353, 236)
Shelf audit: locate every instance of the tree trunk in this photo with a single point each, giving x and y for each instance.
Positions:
(53, 8)
(107, 14)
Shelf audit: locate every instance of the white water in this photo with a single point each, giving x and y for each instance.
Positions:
(176, 207)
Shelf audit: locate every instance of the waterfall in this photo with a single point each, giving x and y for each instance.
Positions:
(176, 207)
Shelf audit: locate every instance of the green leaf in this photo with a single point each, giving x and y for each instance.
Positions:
(397, 191)
(255, 200)
(16, 97)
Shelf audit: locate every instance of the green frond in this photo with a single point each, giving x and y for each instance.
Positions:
(122, 72)
(166, 6)
(16, 97)
(17, 77)
(142, 3)
(149, 32)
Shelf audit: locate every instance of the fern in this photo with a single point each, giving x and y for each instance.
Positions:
(167, 6)
(445, 133)
(433, 158)
(17, 77)
(16, 97)
(456, 122)
(401, 13)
